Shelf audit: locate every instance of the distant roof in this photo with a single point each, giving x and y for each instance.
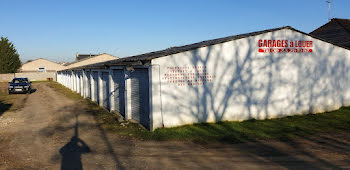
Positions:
(29, 61)
(174, 50)
(336, 31)
(83, 56)
(90, 56)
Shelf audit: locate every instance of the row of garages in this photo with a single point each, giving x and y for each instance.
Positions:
(260, 75)
(107, 88)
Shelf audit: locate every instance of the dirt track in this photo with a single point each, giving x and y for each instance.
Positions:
(51, 132)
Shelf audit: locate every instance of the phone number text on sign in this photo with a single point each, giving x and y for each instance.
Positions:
(187, 75)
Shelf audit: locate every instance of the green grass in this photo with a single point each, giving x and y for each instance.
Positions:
(11, 102)
(5, 102)
(40, 81)
(231, 132)
(279, 129)
(62, 89)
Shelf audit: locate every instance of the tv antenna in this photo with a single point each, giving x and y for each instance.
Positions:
(329, 9)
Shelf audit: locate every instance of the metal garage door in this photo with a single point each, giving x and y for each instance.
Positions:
(95, 81)
(78, 82)
(81, 83)
(119, 88)
(140, 97)
(74, 81)
(77, 88)
(105, 90)
(88, 85)
(71, 81)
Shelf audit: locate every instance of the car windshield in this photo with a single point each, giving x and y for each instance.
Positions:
(19, 81)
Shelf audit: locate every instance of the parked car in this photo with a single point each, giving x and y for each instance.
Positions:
(20, 85)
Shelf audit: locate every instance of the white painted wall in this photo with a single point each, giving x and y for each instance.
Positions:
(249, 84)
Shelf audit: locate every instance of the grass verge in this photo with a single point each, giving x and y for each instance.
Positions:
(11, 102)
(40, 81)
(229, 132)
(14, 101)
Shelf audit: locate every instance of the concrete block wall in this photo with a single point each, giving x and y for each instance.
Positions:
(6, 77)
(32, 76)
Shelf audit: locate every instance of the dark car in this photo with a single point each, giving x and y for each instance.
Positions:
(20, 85)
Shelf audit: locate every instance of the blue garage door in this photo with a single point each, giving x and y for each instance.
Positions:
(140, 97)
(88, 85)
(105, 90)
(81, 83)
(119, 89)
(96, 88)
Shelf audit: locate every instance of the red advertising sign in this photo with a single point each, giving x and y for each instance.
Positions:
(285, 46)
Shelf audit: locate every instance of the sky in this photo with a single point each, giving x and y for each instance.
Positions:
(58, 29)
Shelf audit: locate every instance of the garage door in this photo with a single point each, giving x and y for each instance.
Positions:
(78, 82)
(81, 83)
(71, 81)
(74, 75)
(119, 88)
(95, 90)
(88, 85)
(105, 90)
(140, 97)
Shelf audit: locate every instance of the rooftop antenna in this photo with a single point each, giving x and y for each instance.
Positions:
(329, 9)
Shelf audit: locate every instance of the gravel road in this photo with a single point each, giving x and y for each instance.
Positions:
(51, 131)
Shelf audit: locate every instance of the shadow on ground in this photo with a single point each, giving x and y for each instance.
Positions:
(4, 107)
(72, 151)
(294, 152)
(32, 91)
(311, 151)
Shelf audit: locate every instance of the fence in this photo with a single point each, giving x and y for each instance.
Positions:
(32, 76)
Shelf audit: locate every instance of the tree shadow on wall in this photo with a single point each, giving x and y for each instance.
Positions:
(253, 86)
(261, 85)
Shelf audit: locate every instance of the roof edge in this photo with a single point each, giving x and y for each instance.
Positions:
(41, 59)
(91, 57)
(185, 48)
(229, 38)
(342, 25)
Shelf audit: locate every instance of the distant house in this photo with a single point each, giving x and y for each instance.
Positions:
(336, 31)
(41, 65)
(86, 59)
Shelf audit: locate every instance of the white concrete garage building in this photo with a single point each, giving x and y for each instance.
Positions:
(266, 74)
